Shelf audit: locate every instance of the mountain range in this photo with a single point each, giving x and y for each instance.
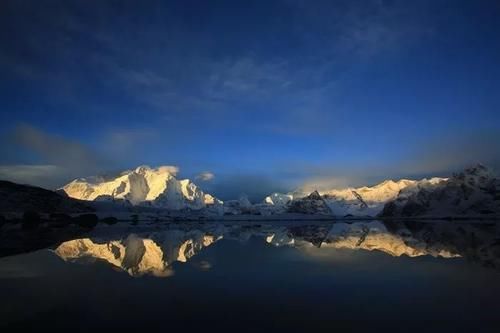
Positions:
(362, 201)
(159, 187)
(474, 192)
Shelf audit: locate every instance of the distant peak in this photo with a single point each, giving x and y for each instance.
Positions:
(385, 182)
(314, 195)
(393, 183)
(478, 169)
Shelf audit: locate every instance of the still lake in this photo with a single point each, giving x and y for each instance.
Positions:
(359, 276)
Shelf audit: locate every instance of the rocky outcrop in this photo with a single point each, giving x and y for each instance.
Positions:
(312, 204)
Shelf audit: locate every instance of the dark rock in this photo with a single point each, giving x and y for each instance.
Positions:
(312, 204)
(412, 209)
(363, 204)
(314, 196)
(62, 193)
(390, 209)
(20, 198)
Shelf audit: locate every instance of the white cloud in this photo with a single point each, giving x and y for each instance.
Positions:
(174, 170)
(205, 176)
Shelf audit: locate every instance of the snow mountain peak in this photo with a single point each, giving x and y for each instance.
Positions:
(145, 186)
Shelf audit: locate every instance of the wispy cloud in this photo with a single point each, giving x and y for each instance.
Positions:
(288, 80)
(34, 156)
(41, 175)
(205, 176)
(53, 159)
(121, 144)
(157, 71)
(57, 150)
(359, 30)
(174, 170)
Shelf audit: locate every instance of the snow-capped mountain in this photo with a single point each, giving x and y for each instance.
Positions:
(144, 186)
(369, 201)
(473, 192)
(362, 201)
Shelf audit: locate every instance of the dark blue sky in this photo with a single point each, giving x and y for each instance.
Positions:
(266, 95)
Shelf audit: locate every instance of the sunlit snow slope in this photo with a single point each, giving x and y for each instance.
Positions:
(157, 187)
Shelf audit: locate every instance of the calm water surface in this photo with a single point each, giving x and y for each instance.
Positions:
(358, 276)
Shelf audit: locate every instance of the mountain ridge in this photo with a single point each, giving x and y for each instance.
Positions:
(360, 201)
(474, 191)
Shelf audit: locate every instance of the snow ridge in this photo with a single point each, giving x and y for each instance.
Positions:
(362, 201)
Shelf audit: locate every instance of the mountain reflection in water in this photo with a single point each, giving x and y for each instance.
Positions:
(287, 276)
(153, 253)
